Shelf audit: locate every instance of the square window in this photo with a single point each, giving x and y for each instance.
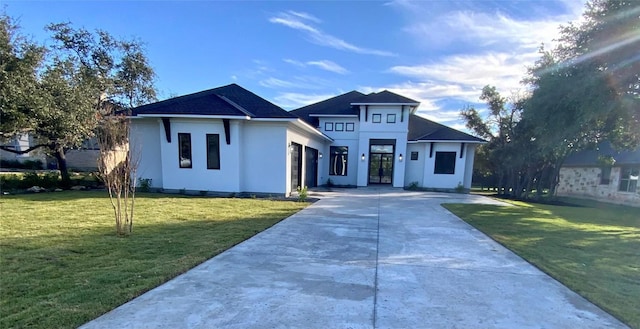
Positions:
(414, 155)
(213, 151)
(376, 118)
(445, 163)
(391, 118)
(350, 126)
(184, 150)
(339, 156)
(328, 126)
(339, 126)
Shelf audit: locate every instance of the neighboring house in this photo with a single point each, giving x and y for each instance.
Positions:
(230, 140)
(83, 159)
(602, 174)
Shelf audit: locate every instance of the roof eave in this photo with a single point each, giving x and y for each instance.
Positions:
(410, 104)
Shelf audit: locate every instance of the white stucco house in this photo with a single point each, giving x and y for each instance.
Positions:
(230, 140)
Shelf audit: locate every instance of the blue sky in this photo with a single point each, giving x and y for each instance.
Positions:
(440, 53)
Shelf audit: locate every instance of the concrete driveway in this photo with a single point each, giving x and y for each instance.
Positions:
(364, 258)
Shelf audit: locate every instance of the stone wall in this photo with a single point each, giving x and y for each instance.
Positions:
(584, 182)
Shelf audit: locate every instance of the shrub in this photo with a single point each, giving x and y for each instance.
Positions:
(27, 164)
(302, 194)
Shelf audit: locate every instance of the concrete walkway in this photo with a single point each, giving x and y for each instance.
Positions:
(364, 258)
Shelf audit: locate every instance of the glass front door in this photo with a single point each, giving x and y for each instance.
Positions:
(381, 164)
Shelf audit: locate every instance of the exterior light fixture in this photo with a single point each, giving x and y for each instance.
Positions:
(362, 157)
(320, 155)
(400, 157)
(290, 148)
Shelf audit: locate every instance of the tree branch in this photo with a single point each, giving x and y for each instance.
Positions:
(11, 150)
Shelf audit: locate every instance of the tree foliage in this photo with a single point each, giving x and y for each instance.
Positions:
(584, 91)
(61, 94)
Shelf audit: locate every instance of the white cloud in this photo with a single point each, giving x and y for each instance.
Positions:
(295, 100)
(301, 22)
(294, 62)
(276, 83)
(329, 66)
(305, 16)
(463, 76)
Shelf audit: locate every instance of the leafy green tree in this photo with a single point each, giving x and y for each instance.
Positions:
(86, 76)
(587, 89)
(20, 61)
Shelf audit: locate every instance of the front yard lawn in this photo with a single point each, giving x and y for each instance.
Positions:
(61, 264)
(594, 250)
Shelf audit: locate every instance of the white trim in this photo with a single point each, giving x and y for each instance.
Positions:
(444, 141)
(194, 116)
(305, 126)
(334, 115)
(410, 104)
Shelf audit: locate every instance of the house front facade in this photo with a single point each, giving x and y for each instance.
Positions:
(230, 140)
(602, 174)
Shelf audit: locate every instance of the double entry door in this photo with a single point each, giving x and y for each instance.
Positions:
(381, 163)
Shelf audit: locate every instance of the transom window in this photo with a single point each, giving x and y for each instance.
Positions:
(391, 118)
(376, 118)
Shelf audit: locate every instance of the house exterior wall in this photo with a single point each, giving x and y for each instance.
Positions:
(306, 139)
(584, 182)
(414, 169)
(444, 181)
(144, 141)
(264, 157)
(383, 130)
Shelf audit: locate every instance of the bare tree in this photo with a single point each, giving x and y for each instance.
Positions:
(117, 166)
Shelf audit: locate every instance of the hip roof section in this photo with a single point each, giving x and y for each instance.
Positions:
(229, 100)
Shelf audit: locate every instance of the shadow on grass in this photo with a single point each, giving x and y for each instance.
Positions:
(49, 281)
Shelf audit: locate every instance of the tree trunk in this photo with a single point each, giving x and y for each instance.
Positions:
(60, 156)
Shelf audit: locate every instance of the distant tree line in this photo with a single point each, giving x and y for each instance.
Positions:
(583, 91)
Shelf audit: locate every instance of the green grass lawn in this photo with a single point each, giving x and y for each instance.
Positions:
(61, 264)
(594, 250)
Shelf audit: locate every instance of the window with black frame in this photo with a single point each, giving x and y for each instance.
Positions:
(445, 163)
(338, 160)
(213, 151)
(184, 150)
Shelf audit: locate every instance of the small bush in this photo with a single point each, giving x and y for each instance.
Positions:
(145, 184)
(303, 193)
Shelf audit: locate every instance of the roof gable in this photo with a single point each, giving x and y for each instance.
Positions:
(229, 100)
(421, 129)
(338, 105)
(384, 97)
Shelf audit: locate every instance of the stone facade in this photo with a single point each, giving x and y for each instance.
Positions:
(584, 182)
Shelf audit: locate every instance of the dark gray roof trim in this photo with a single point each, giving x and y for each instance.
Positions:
(421, 129)
(590, 158)
(230, 100)
(384, 97)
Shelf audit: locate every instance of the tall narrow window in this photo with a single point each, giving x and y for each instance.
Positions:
(184, 150)
(213, 151)
(605, 175)
(338, 160)
(445, 163)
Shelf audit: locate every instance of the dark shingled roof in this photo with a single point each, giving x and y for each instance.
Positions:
(590, 157)
(231, 100)
(339, 105)
(423, 129)
(384, 96)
